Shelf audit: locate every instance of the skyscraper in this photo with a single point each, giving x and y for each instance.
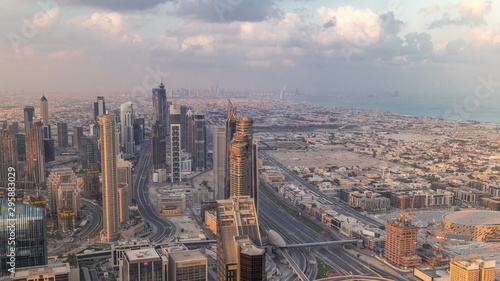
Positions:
(99, 107)
(127, 128)
(236, 216)
(35, 154)
(124, 170)
(401, 241)
(239, 166)
(62, 135)
(44, 109)
(77, 135)
(29, 114)
(59, 179)
(8, 154)
(175, 143)
(190, 132)
(48, 144)
(219, 161)
(159, 127)
(109, 178)
(251, 261)
(200, 153)
(30, 236)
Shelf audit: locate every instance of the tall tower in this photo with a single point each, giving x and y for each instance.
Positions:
(99, 107)
(239, 166)
(44, 109)
(8, 155)
(401, 241)
(190, 132)
(159, 127)
(62, 134)
(232, 118)
(35, 154)
(200, 153)
(77, 136)
(109, 178)
(236, 217)
(127, 128)
(219, 162)
(29, 114)
(175, 142)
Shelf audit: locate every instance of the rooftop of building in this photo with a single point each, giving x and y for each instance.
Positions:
(474, 217)
(187, 255)
(59, 268)
(142, 254)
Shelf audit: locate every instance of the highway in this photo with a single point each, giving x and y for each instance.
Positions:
(94, 218)
(337, 206)
(161, 227)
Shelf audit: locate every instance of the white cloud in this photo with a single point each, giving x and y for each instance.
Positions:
(483, 37)
(108, 23)
(474, 9)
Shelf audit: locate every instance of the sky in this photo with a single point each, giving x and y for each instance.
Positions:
(317, 46)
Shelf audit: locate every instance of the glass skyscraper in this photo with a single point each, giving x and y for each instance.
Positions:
(30, 236)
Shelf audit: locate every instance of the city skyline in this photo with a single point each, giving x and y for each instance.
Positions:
(313, 46)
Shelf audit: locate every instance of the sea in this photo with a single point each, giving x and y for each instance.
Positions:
(467, 106)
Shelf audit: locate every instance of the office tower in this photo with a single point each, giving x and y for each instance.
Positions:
(200, 154)
(29, 114)
(472, 270)
(8, 155)
(159, 127)
(62, 135)
(252, 260)
(119, 248)
(99, 108)
(142, 265)
(52, 272)
(58, 178)
(31, 237)
(244, 126)
(219, 161)
(123, 202)
(183, 126)
(127, 128)
(124, 171)
(109, 178)
(94, 130)
(239, 166)
(401, 241)
(44, 109)
(14, 127)
(175, 143)
(236, 216)
(77, 136)
(232, 117)
(190, 132)
(189, 265)
(139, 130)
(48, 143)
(21, 147)
(90, 153)
(35, 154)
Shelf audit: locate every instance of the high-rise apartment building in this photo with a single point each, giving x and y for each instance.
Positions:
(190, 132)
(472, 270)
(175, 143)
(90, 152)
(200, 152)
(124, 171)
(44, 109)
(77, 136)
(35, 154)
(239, 166)
(30, 234)
(57, 179)
(109, 178)
(219, 161)
(236, 216)
(127, 128)
(62, 135)
(159, 127)
(232, 118)
(29, 114)
(8, 155)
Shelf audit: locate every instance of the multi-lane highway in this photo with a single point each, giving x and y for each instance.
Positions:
(94, 218)
(161, 228)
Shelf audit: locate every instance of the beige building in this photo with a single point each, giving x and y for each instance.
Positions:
(472, 270)
(172, 204)
(123, 201)
(478, 224)
(211, 220)
(110, 204)
(50, 272)
(189, 265)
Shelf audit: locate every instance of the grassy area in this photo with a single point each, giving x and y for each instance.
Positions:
(323, 269)
(312, 225)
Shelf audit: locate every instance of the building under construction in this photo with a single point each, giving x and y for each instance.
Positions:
(401, 241)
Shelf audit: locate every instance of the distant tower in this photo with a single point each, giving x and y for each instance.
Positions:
(109, 178)
(62, 134)
(175, 143)
(44, 109)
(401, 241)
(8, 155)
(90, 151)
(159, 127)
(99, 107)
(219, 161)
(282, 94)
(231, 120)
(29, 114)
(127, 128)
(239, 166)
(35, 154)
(77, 135)
(191, 132)
(200, 152)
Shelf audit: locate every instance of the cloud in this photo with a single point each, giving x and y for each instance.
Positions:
(104, 22)
(466, 12)
(430, 10)
(227, 10)
(119, 5)
(484, 37)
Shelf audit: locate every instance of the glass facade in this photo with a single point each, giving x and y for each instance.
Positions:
(28, 231)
